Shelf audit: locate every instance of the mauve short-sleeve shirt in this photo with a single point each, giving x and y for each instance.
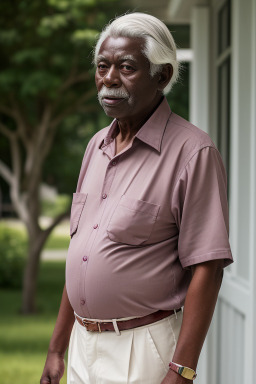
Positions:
(141, 218)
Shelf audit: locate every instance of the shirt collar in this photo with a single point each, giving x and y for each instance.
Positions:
(151, 132)
(111, 134)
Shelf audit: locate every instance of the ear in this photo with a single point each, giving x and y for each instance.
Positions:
(165, 76)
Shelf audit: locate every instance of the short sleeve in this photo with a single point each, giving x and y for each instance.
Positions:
(200, 208)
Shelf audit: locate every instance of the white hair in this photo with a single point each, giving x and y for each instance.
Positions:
(159, 46)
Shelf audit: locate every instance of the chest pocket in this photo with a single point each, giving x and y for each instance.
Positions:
(132, 221)
(77, 207)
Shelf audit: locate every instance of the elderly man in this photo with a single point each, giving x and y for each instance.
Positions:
(149, 226)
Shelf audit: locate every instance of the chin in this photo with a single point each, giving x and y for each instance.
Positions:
(111, 112)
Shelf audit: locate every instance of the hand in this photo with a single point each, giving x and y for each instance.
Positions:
(174, 378)
(53, 369)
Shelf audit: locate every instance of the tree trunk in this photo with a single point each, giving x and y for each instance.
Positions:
(37, 238)
(36, 244)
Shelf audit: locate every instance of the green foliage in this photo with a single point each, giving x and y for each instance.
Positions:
(178, 98)
(41, 40)
(84, 35)
(62, 166)
(13, 249)
(53, 208)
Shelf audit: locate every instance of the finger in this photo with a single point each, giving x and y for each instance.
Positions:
(45, 380)
(55, 379)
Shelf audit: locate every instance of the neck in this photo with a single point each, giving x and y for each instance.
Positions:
(129, 128)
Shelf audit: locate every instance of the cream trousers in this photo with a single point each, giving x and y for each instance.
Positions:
(137, 356)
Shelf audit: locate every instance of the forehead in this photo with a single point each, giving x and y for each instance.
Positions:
(122, 47)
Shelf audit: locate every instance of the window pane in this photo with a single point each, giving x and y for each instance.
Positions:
(224, 28)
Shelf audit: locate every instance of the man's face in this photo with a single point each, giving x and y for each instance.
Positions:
(126, 90)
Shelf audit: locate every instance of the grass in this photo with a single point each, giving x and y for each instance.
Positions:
(24, 339)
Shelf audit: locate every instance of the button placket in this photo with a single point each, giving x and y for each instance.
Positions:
(108, 179)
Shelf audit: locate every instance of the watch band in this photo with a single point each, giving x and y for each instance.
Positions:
(186, 372)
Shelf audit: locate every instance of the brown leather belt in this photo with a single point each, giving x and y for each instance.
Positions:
(101, 326)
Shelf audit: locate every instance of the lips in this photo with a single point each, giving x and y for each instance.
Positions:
(112, 100)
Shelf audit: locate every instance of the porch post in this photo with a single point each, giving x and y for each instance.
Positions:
(199, 78)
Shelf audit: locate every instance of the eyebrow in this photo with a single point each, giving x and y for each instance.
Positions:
(120, 59)
(127, 57)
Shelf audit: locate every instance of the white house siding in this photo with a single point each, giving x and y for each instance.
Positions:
(252, 222)
(236, 308)
(229, 355)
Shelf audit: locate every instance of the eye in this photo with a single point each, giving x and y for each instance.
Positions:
(127, 68)
(102, 68)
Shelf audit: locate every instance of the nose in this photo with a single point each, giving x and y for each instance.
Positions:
(112, 79)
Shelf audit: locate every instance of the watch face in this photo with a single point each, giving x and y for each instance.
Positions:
(188, 373)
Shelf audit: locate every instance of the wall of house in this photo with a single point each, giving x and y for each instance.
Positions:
(229, 354)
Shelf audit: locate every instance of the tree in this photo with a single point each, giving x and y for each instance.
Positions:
(45, 76)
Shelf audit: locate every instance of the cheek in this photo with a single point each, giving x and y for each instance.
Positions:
(98, 81)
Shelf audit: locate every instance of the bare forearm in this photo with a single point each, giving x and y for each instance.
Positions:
(54, 365)
(64, 323)
(198, 310)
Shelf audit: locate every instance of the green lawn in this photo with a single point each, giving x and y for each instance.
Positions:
(24, 339)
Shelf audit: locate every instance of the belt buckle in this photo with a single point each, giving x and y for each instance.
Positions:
(87, 323)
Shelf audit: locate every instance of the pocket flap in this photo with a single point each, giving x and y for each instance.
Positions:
(78, 202)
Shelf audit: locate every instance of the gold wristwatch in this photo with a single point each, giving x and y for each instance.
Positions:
(186, 372)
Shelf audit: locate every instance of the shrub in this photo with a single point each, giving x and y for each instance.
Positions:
(53, 208)
(13, 249)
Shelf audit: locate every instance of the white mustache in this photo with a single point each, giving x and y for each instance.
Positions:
(113, 92)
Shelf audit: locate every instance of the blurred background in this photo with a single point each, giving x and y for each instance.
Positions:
(48, 113)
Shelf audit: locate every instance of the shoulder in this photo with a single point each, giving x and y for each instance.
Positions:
(91, 149)
(98, 137)
(182, 140)
(94, 145)
(95, 142)
(190, 137)
(184, 144)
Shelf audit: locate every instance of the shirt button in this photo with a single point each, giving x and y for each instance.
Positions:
(113, 162)
(82, 302)
(104, 196)
(95, 226)
(85, 258)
